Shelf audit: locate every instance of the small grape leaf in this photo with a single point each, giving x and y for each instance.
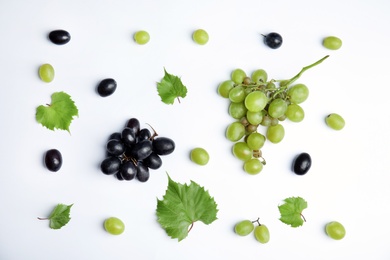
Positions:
(171, 87)
(59, 217)
(291, 211)
(59, 114)
(182, 205)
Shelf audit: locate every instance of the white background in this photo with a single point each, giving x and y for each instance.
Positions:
(349, 179)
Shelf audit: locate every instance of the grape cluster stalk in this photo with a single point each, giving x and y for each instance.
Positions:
(257, 102)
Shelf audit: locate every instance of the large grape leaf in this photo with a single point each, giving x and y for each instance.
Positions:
(170, 88)
(182, 205)
(291, 211)
(59, 114)
(59, 217)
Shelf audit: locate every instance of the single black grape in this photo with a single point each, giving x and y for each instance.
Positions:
(110, 165)
(163, 145)
(128, 171)
(273, 40)
(119, 176)
(134, 124)
(153, 161)
(59, 37)
(53, 160)
(144, 134)
(302, 164)
(140, 150)
(128, 136)
(115, 147)
(116, 136)
(142, 172)
(106, 87)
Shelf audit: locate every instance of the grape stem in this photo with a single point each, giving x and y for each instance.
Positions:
(257, 221)
(154, 131)
(42, 218)
(303, 217)
(189, 229)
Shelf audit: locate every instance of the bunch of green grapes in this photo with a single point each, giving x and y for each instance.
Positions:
(256, 101)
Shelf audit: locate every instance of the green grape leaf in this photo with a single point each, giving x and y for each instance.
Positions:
(170, 88)
(182, 205)
(59, 217)
(291, 211)
(59, 114)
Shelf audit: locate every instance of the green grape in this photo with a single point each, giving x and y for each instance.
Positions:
(237, 94)
(238, 76)
(225, 87)
(332, 43)
(335, 230)
(262, 234)
(244, 228)
(141, 37)
(253, 166)
(298, 93)
(266, 121)
(254, 118)
(295, 113)
(259, 76)
(277, 108)
(237, 110)
(235, 131)
(242, 151)
(200, 36)
(255, 141)
(46, 73)
(275, 133)
(199, 156)
(114, 226)
(335, 121)
(256, 101)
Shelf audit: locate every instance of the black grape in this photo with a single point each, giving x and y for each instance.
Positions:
(163, 145)
(128, 171)
(144, 134)
(53, 160)
(115, 147)
(134, 124)
(116, 136)
(141, 150)
(142, 172)
(153, 161)
(59, 37)
(128, 136)
(302, 164)
(273, 40)
(106, 87)
(110, 165)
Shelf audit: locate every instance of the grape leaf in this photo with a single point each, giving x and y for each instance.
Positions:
(59, 217)
(171, 87)
(182, 205)
(291, 211)
(59, 114)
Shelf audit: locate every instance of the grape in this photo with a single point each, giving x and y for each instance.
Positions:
(134, 124)
(242, 151)
(225, 87)
(153, 161)
(335, 121)
(237, 94)
(142, 172)
(262, 234)
(46, 73)
(302, 164)
(141, 150)
(255, 141)
(253, 166)
(141, 37)
(332, 43)
(266, 121)
(128, 136)
(116, 136)
(244, 227)
(163, 146)
(256, 101)
(53, 160)
(235, 131)
(127, 171)
(59, 37)
(110, 165)
(277, 108)
(143, 134)
(335, 230)
(295, 113)
(237, 110)
(275, 133)
(199, 156)
(238, 76)
(298, 93)
(254, 118)
(115, 147)
(273, 40)
(200, 36)
(106, 87)
(114, 226)
(259, 76)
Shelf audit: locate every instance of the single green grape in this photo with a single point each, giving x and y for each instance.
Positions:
(332, 43)
(141, 37)
(298, 93)
(259, 76)
(200, 36)
(255, 141)
(277, 108)
(235, 131)
(199, 156)
(275, 133)
(225, 87)
(46, 73)
(335, 230)
(335, 121)
(244, 227)
(254, 118)
(295, 113)
(237, 110)
(253, 166)
(262, 234)
(114, 226)
(242, 151)
(237, 94)
(238, 76)
(256, 101)
(266, 121)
